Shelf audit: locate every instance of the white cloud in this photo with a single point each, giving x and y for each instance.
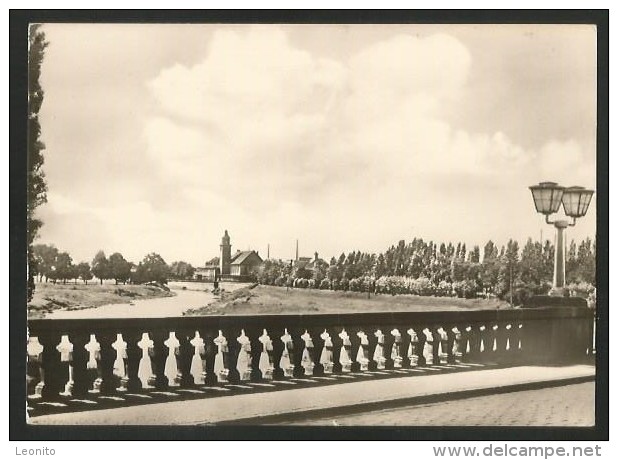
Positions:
(279, 134)
(275, 142)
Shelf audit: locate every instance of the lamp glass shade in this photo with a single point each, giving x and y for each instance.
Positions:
(547, 197)
(576, 201)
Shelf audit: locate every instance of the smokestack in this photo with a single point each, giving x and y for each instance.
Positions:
(268, 251)
(296, 250)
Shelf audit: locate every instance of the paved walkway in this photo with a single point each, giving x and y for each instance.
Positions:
(251, 408)
(569, 405)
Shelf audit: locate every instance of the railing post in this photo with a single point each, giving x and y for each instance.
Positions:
(108, 356)
(35, 372)
(243, 363)
(457, 352)
(133, 353)
(396, 349)
(158, 356)
(171, 363)
(52, 378)
(65, 348)
(442, 346)
(428, 347)
(307, 360)
(286, 363)
(120, 364)
(185, 355)
(198, 360)
(221, 370)
(326, 357)
(378, 353)
(266, 365)
(362, 356)
(145, 368)
(344, 353)
(80, 358)
(413, 348)
(93, 366)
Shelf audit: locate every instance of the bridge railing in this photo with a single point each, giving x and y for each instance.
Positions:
(75, 358)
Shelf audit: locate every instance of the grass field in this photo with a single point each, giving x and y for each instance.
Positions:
(49, 297)
(278, 300)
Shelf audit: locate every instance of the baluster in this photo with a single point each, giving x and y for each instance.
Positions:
(344, 353)
(81, 374)
(286, 363)
(93, 365)
(184, 357)
(65, 347)
(133, 354)
(198, 361)
(457, 345)
(378, 352)
(307, 360)
(413, 348)
(396, 349)
(326, 358)
(120, 365)
(482, 338)
(108, 357)
(468, 340)
(494, 338)
(266, 357)
(442, 346)
(518, 351)
(145, 372)
(243, 363)
(52, 379)
(35, 366)
(220, 369)
(428, 347)
(171, 363)
(362, 356)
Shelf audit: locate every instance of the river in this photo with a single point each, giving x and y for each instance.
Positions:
(193, 295)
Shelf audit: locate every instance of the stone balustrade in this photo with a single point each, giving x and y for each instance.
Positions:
(77, 358)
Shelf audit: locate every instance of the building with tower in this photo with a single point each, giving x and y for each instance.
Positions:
(232, 267)
(225, 255)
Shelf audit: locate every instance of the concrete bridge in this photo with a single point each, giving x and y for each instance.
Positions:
(226, 369)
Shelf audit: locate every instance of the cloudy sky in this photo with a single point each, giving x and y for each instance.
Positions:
(159, 137)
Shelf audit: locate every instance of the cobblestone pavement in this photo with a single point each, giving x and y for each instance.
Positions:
(569, 405)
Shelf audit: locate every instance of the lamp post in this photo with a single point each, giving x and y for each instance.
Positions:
(548, 196)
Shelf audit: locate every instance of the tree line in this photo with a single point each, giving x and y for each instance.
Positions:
(50, 264)
(444, 269)
(419, 267)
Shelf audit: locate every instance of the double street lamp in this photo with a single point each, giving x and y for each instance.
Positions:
(548, 196)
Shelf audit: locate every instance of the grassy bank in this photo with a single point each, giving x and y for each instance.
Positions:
(278, 300)
(49, 297)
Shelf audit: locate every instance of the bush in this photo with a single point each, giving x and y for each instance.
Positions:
(444, 289)
(581, 289)
(465, 289)
(422, 286)
(325, 284)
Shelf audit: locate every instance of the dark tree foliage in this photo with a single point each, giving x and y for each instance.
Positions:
(119, 268)
(37, 187)
(444, 269)
(152, 268)
(100, 267)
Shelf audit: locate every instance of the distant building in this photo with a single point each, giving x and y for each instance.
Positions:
(237, 267)
(206, 273)
(242, 263)
(306, 263)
